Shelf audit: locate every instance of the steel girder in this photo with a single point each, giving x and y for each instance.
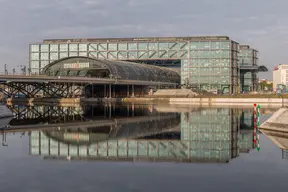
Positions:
(32, 89)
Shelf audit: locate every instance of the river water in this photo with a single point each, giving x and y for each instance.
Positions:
(137, 148)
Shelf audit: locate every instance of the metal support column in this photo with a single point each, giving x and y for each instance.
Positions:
(114, 93)
(92, 91)
(128, 94)
(110, 112)
(110, 91)
(105, 110)
(105, 91)
(133, 91)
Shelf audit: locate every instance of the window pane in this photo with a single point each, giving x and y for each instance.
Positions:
(142, 46)
(63, 47)
(72, 54)
(163, 46)
(63, 55)
(34, 64)
(92, 47)
(153, 46)
(102, 46)
(54, 48)
(122, 46)
(112, 46)
(53, 56)
(132, 46)
(44, 56)
(225, 45)
(35, 71)
(44, 63)
(73, 47)
(44, 48)
(34, 48)
(83, 54)
(34, 56)
(82, 47)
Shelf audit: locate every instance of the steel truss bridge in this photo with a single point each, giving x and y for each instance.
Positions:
(66, 87)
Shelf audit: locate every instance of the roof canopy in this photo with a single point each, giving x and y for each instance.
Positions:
(84, 66)
(257, 68)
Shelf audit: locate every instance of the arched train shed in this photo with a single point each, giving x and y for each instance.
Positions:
(90, 67)
(121, 70)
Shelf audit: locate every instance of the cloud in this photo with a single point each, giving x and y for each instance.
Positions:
(259, 23)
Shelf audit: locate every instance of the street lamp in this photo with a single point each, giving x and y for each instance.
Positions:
(5, 69)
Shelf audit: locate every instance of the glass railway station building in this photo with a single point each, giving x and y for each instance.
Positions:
(209, 63)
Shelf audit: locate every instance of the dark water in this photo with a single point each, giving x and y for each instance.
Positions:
(137, 148)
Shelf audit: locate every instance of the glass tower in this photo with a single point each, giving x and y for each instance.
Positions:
(248, 58)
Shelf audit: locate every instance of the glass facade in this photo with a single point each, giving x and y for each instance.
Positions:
(209, 63)
(248, 57)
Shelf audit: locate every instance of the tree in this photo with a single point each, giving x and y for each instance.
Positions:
(265, 86)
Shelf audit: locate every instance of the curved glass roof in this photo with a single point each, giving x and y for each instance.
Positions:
(85, 66)
(262, 68)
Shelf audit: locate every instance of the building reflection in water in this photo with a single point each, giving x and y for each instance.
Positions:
(141, 133)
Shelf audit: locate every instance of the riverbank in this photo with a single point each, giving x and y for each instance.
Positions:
(211, 101)
(278, 122)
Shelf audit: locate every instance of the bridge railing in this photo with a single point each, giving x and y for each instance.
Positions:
(22, 74)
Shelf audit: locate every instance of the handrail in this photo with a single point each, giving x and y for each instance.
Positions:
(79, 79)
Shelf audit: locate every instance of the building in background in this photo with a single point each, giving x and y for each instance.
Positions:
(280, 75)
(248, 59)
(207, 63)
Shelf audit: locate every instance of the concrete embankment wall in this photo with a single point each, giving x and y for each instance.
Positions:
(275, 102)
(229, 101)
(212, 101)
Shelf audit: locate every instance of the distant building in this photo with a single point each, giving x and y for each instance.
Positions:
(207, 62)
(280, 75)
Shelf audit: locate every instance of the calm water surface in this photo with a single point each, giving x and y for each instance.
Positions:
(137, 148)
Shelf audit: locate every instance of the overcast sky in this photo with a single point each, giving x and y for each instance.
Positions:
(260, 23)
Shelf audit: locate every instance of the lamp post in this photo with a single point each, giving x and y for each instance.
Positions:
(5, 69)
